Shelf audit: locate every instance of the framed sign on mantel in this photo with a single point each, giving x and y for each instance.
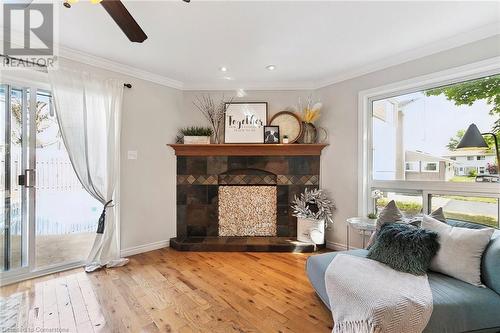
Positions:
(244, 122)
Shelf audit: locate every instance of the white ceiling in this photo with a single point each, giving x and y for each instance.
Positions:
(310, 42)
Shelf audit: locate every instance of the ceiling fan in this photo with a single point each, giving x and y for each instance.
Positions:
(122, 17)
(119, 13)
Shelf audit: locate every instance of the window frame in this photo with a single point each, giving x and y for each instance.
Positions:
(365, 152)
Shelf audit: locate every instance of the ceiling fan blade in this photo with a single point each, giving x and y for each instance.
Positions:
(24, 3)
(125, 21)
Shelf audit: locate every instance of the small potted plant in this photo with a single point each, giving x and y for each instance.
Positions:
(372, 217)
(196, 135)
(313, 210)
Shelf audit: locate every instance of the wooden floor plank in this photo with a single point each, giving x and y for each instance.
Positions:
(170, 291)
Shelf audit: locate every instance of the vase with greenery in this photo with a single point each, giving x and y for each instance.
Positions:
(196, 135)
(313, 210)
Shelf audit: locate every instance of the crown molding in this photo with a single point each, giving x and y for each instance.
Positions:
(114, 66)
(305, 85)
(414, 54)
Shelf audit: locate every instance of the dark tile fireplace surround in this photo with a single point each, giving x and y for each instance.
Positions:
(198, 181)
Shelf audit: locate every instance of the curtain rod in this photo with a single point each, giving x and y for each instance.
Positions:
(9, 58)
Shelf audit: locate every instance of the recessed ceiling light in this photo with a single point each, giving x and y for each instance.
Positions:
(229, 78)
(271, 67)
(223, 69)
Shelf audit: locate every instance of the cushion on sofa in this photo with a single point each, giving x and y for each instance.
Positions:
(461, 250)
(390, 214)
(490, 265)
(438, 214)
(405, 248)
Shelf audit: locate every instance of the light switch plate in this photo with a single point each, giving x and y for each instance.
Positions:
(132, 154)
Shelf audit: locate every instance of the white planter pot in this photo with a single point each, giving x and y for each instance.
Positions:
(196, 140)
(311, 231)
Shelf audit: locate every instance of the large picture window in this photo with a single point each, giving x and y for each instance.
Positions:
(410, 150)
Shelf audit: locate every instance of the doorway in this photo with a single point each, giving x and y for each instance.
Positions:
(48, 221)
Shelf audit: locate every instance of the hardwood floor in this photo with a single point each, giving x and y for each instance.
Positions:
(170, 291)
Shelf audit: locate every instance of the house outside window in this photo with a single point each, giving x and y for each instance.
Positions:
(412, 166)
(430, 167)
(407, 152)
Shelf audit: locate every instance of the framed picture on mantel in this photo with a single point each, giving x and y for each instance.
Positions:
(244, 122)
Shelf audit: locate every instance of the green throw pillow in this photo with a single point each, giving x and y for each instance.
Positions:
(405, 248)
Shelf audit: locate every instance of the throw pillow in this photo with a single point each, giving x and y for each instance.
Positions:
(461, 250)
(405, 248)
(390, 214)
(438, 214)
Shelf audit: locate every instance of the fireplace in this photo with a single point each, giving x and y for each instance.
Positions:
(236, 203)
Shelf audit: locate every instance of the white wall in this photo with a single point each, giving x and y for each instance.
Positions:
(340, 100)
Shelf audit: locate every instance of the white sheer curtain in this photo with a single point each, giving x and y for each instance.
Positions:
(88, 109)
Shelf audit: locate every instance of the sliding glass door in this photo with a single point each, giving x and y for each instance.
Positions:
(15, 182)
(47, 219)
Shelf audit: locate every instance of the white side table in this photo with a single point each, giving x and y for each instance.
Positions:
(363, 224)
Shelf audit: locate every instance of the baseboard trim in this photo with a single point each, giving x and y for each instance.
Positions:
(144, 248)
(339, 247)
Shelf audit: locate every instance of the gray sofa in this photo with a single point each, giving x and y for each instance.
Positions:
(458, 306)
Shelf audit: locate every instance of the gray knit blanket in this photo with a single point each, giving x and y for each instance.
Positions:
(369, 297)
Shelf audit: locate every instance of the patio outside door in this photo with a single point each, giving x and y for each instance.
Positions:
(47, 220)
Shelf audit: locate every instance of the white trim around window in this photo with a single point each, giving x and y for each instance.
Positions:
(365, 98)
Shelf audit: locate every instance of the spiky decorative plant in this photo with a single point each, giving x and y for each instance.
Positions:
(196, 131)
(213, 112)
(314, 204)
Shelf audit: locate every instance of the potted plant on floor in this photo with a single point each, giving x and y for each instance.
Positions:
(313, 210)
(196, 135)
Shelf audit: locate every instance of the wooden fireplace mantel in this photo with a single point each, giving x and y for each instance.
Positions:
(292, 149)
